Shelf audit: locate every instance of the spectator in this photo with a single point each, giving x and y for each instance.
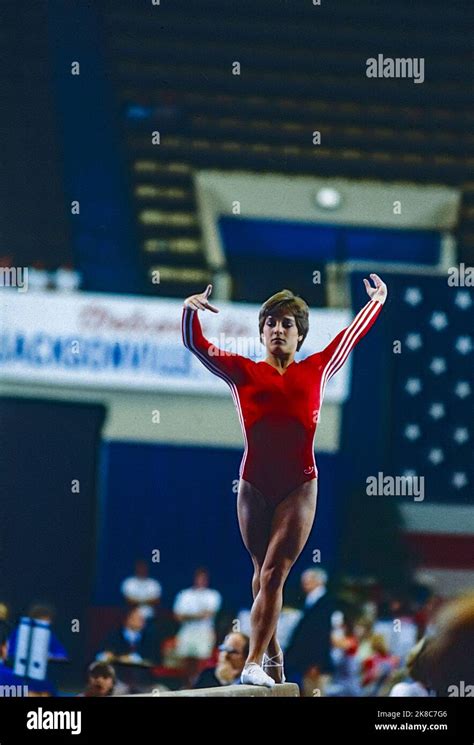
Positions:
(378, 666)
(196, 608)
(132, 642)
(397, 626)
(101, 680)
(232, 655)
(345, 680)
(309, 650)
(133, 649)
(142, 590)
(46, 613)
(363, 631)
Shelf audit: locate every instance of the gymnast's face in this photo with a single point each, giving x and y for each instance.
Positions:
(280, 335)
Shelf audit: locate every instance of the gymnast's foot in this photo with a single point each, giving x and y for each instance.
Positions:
(273, 666)
(253, 675)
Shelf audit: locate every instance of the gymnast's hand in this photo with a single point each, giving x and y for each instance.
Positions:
(200, 302)
(379, 292)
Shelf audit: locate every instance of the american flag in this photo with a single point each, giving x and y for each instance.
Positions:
(432, 421)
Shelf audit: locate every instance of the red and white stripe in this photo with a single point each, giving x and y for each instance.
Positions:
(188, 338)
(441, 537)
(352, 334)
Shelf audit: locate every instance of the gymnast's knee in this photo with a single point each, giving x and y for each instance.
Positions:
(272, 578)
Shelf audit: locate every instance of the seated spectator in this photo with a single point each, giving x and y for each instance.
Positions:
(132, 642)
(397, 625)
(363, 631)
(142, 590)
(378, 666)
(232, 655)
(101, 680)
(55, 652)
(46, 613)
(133, 649)
(345, 679)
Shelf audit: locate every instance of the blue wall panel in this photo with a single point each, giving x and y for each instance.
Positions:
(180, 500)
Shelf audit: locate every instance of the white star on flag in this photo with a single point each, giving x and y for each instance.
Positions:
(413, 296)
(438, 365)
(459, 479)
(461, 435)
(436, 411)
(464, 344)
(413, 386)
(413, 341)
(436, 456)
(412, 431)
(439, 320)
(463, 299)
(462, 389)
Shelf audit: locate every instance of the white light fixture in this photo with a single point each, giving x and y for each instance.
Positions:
(328, 198)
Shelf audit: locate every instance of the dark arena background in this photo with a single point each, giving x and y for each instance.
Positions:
(153, 147)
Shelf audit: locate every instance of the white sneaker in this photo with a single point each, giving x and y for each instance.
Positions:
(273, 662)
(253, 675)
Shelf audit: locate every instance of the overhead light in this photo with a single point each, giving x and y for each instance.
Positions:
(328, 198)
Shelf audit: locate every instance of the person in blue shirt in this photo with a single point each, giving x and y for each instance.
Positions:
(56, 650)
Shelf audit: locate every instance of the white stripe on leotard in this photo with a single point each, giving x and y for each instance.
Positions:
(187, 329)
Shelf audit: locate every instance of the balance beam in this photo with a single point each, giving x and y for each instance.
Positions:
(278, 691)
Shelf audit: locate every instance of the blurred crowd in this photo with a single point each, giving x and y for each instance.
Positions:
(360, 640)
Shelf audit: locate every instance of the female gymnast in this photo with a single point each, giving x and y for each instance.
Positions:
(278, 402)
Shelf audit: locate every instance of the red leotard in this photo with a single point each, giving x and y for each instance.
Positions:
(278, 413)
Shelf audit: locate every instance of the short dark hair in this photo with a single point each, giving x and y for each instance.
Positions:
(101, 670)
(41, 610)
(286, 302)
(201, 570)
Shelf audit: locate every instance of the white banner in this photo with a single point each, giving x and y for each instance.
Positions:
(86, 339)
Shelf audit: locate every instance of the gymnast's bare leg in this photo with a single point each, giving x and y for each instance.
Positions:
(274, 535)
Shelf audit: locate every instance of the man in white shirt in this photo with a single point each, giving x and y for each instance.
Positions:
(141, 590)
(196, 608)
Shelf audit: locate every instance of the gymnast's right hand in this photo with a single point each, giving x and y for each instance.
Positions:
(200, 302)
